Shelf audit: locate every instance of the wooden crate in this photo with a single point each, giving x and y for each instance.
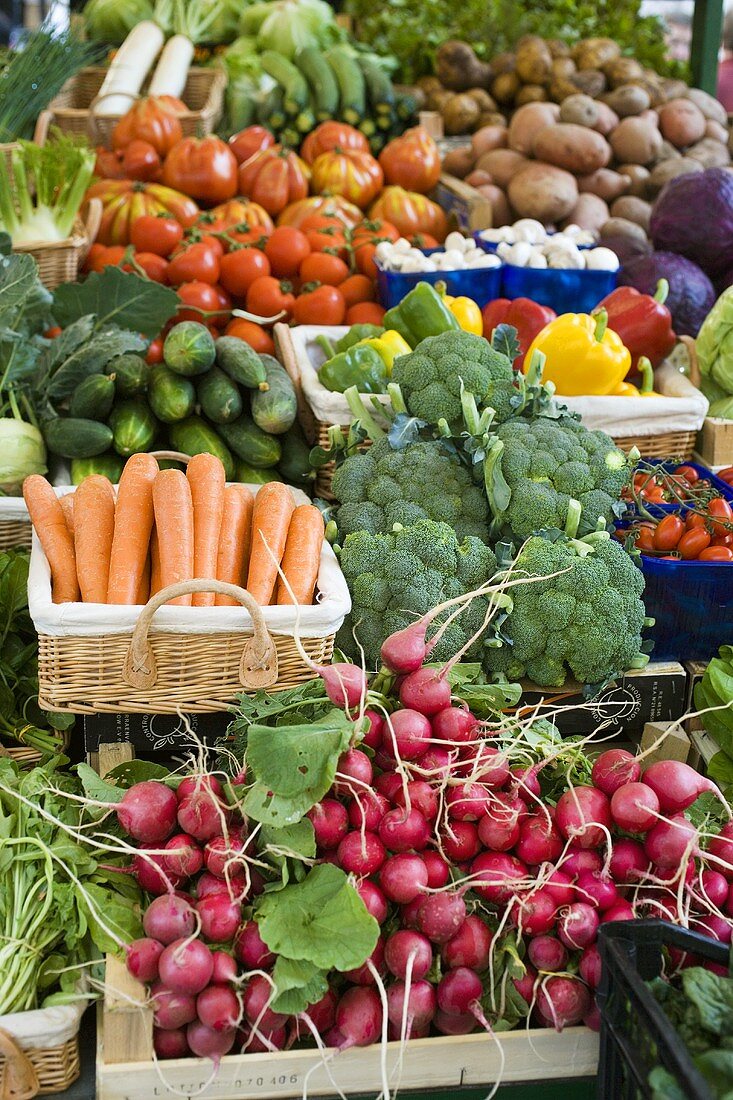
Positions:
(715, 442)
(467, 209)
(126, 1071)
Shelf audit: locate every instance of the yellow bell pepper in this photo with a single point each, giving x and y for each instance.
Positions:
(628, 389)
(389, 346)
(584, 356)
(467, 313)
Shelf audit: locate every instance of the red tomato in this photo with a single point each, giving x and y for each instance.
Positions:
(53, 332)
(286, 248)
(155, 352)
(252, 334)
(255, 235)
(423, 240)
(155, 233)
(716, 553)
(722, 540)
(141, 162)
(721, 511)
(655, 495)
(365, 313)
(196, 236)
(412, 161)
(274, 178)
(322, 267)
(694, 521)
(151, 121)
(240, 268)
(689, 473)
(668, 533)
(202, 300)
(323, 306)
(194, 263)
(329, 239)
(692, 543)
(249, 141)
(644, 539)
(356, 289)
(268, 296)
(108, 165)
(111, 256)
(155, 267)
(204, 168)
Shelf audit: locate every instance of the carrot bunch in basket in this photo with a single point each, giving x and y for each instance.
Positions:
(165, 527)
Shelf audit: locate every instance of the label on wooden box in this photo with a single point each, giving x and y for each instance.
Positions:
(154, 732)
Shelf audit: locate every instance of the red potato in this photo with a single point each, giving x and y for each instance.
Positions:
(500, 211)
(488, 138)
(605, 183)
(459, 162)
(574, 148)
(607, 119)
(528, 121)
(502, 165)
(590, 212)
(681, 123)
(543, 192)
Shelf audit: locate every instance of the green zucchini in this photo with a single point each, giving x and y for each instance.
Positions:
(250, 443)
(194, 436)
(406, 106)
(270, 111)
(189, 348)
(290, 136)
(170, 396)
(109, 465)
(93, 398)
(134, 426)
(292, 81)
(323, 86)
(294, 464)
(241, 362)
(305, 121)
(250, 475)
(131, 374)
(352, 86)
(274, 409)
(219, 397)
(76, 437)
(378, 85)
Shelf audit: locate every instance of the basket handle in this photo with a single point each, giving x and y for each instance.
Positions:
(92, 223)
(42, 126)
(93, 121)
(694, 365)
(19, 1079)
(172, 456)
(258, 667)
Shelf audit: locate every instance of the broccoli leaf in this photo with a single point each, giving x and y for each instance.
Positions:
(116, 297)
(298, 984)
(505, 339)
(404, 430)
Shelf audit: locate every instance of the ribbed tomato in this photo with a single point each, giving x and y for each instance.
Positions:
(412, 161)
(204, 168)
(349, 172)
(250, 141)
(331, 135)
(124, 201)
(410, 212)
(330, 206)
(151, 120)
(237, 212)
(274, 178)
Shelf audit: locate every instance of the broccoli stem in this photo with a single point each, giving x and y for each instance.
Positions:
(362, 414)
(497, 490)
(572, 522)
(395, 396)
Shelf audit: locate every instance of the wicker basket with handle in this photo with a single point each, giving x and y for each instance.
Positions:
(59, 261)
(39, 1051)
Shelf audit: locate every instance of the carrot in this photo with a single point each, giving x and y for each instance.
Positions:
(155, 585)
(94, 526)
(67, 507)
(48, 519)
(174, 523)
(207, 479)
(143, 592)
(302, 555)
(270, 521)
(133, 524)
(234, 541)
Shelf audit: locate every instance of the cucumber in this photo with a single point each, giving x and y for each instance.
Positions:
(241, 362)
(352, 86)
(76, 437)
(134, 426)
(219, 397)
(406, 106)
(170, 396)
(294, 464)
(274, 410)
(293, 83)
(270, 110)
(189, 348)
(250, 475)
(378, 85)
(194, 436)
(93, 398)
(110, 465)
(250, 443)
(131, 374)
(323, 86)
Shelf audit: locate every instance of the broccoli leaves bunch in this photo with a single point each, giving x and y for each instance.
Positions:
(396, 577)
(587, 620)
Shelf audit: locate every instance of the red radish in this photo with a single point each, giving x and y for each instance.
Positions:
(345, 684)
(597, 890)
(421, 795)
(560, 886)
(186, 966)
(460, 841)
(143, 956)
(526, 986)
(498, 876)
(589, 967)
(235, 887)
(373, 899)
(407, 650)
(437, 762)
(498, 829)
(438, 869)
(628, 861)
(635, 807)
(223, 855)
(169, 918)
(407, 734)
(401, 830)
(256, 998)
(225, 967)
(388, 783)
(359, 1017)
(353, 774)
(578, 860)
(676, 785)
(535, 912)
(526, 782)
(409, 912)
(470, 946)
(562, 1002)
(403, 945)
(485, 764)
(620, 911)
(171, 1010)
(197, 783)
(713, 887)
(361, 853)
(330, 822)
(251, 949)
(170, 1044)
(417, 1008)
(323, 1012)
(425, 690)
(669, 843)
(613, 769)
(147, 812)
(218, 1007)
(592, 1018)
(374, 729)
(366, 811)
(207, 1043)
(454, 1025)
(263, 1042)
(185, 858)
(721, 846)
(440, 916)
(578, 925)
(457, 990)
(468, 801)
(220, 917)
(539, 841)
(582, 815)
(201, 815)
(717, 927)
(149, 870)
(547, 953)
(403, 877)
(362, 975)
(455, 725)
(412, 1031)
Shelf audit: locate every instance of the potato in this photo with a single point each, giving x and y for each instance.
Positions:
(429, 84)
(668, 170)
(543, 192)
(558, 48)
(533, 60)
(635, 141)
(667, 151)
(651, 116)
(712, 108)
(487, 138)
(622, 70)
(438, 99)
(591, 53)
(503, 63)
(590, 81)
(528, 121)
(460, 114)
(504, 87)
(491, 118)
(478, 178)
(459, 162)
(638, 176)
(531, 93)
(458, 68)
(654, 88)
(560, 88)
(681, 123)
(632, 209)
(608, 120)
(605, 183)
(575, 148)
(622, 227)
(628, 99)
(562, 68)
(482, 98)
(502, 165)
(710, 153)
(589, 213)
(715, 131)
(674, 89)
(580, 109)
(500, 212)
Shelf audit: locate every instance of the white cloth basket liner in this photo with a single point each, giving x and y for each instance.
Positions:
(681, 409)
(329, 407)
(44, 1027)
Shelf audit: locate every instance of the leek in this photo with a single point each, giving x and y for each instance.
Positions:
(48, 186)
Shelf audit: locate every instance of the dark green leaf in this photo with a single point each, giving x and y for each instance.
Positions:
(111, 918)
(712, 996)
(505, 339)
(298, 984)
(18, 275)
(404, 430)
(136, 771)
(119, 298)
(96, 788)
(91, 358)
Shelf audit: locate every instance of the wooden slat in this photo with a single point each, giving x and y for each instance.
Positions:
(286, 354)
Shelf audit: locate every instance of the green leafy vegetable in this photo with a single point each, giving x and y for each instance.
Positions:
(119, 298)
(298, 984)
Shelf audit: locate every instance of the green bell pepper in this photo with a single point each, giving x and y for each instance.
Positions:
(421, 313)
(356, 334)
(361, 366)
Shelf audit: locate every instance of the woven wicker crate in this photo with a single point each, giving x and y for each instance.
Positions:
(668, 445)
(73, 108)
(15, 534)
(59, 261)
(40, 1072)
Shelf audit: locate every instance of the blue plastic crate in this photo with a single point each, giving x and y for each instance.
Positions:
(482, 284)
(562, 289)
(659, 510)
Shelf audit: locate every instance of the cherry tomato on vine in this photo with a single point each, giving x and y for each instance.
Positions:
(240, 268)
(689, 473)
(644, 539)
(151, 233)
(286, 249)
(668, 533)
(694, 520)
(716, 553)
(195, 263)
(721, 511)
(692, 543)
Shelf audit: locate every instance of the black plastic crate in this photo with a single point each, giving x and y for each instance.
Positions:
(636, 1035)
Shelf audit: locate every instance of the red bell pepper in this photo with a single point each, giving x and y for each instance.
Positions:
(526, 316)
(643, 322)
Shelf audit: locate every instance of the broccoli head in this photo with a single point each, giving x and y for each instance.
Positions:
(384, 486)
(397, 577)
(430, 377)
(547, 464)
(587, 620)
